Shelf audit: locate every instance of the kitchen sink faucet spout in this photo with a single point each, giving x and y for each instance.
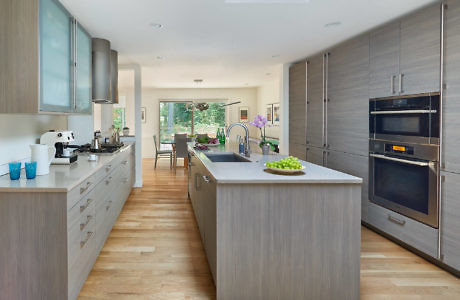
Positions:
(247, 150)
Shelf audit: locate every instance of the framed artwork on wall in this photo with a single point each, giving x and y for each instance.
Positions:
(143, 115)
(269, 113)
(244, 114)
(276, 114)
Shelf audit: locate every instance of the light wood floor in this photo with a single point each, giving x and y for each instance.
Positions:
(154, 252)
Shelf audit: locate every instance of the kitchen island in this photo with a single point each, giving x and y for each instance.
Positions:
(270, 236)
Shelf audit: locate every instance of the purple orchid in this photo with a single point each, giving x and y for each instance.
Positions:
(260, 122)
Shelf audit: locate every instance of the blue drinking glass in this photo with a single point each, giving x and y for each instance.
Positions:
(31, 169)
(15, 170)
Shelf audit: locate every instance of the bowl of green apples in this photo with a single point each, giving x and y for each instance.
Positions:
(286, 165)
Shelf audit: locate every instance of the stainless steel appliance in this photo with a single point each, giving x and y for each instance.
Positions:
(413, 119)
(403, 177)
(60, 140)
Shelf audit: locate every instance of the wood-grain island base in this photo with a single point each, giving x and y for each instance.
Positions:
(288, 241)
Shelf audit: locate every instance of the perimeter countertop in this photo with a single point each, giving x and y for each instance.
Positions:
(62, 178)
(255, 171)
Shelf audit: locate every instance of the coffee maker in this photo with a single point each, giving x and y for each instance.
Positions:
(60, 140)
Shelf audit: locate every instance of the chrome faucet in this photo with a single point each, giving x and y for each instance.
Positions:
(247, 150)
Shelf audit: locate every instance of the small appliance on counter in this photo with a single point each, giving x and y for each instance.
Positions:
(60, 140)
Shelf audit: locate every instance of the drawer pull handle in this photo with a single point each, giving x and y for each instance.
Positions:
(125, 180)
(83, 189)
(108, 180)
(108, 206)
(83, 225)
(88, 236)
(125, 162)
(108, 168)
(397, 221)
(83, 207)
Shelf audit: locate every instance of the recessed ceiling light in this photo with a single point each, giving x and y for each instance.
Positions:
(198, 80)
(160, 57)
(276, 55)
(333, 24)
(267, 1)
(156, 25)
(268, 74)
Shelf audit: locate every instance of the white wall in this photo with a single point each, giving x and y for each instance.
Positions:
(19, 131)
(269, 93)
(151, 100)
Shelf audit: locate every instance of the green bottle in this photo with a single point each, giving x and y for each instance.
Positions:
(222, 137)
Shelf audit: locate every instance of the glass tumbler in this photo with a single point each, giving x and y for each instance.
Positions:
(31, 169)
(15, 170)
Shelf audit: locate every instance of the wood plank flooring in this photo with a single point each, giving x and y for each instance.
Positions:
(154, 252)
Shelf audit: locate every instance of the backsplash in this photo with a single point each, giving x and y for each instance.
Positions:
(18, 131)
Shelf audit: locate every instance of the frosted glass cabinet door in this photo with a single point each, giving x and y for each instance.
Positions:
(55, 57)
(83, 80)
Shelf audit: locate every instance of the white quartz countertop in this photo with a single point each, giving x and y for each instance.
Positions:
(255, 171)
(62, 178)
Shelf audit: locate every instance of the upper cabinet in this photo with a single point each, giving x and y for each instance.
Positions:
(405, 55)
(83, 71)
(40, 70)
(55, 57)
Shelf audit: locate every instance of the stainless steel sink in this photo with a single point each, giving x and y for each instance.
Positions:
(225, 157)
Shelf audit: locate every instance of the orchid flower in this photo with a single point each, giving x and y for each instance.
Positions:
(260, 122)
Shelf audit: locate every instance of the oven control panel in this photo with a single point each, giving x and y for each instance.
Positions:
(399, 149)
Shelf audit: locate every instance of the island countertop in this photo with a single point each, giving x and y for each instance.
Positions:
(62, 178)
(255, 171)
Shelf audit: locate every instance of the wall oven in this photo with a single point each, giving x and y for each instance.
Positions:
(413, 119)
(403, 177)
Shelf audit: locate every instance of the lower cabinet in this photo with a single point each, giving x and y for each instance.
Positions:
(407, 230)
(316, 156)
(450, 219)
(356, 165)
(298, 150)
(203, 195)
(91, 219)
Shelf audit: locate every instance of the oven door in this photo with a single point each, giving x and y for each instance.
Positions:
(406, 186)
(416, 126)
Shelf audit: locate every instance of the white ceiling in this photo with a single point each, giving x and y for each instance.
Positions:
(227, 44)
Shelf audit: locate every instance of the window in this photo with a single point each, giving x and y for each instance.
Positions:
(175, 117)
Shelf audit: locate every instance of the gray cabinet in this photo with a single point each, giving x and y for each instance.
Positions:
(407, 230)
(384, 61)
(405, 55)
(297, 102)
(316, 155)
(315, 100)
(356, 165)
(297, 150)
(203, 195)
(420, 53)
(450, 219)
(39, 64)
(451, 100)
(347, 111)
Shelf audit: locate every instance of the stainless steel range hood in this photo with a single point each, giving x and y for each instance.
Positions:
(105, 72)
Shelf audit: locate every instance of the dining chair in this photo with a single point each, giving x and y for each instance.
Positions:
(181, 150)
(162, 153)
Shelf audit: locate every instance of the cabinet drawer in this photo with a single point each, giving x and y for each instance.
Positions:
(409, 231)
(82, 205)
(79, 270)
(80, 234)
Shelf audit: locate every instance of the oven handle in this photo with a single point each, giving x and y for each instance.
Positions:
(410, 162)
(396, 112)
